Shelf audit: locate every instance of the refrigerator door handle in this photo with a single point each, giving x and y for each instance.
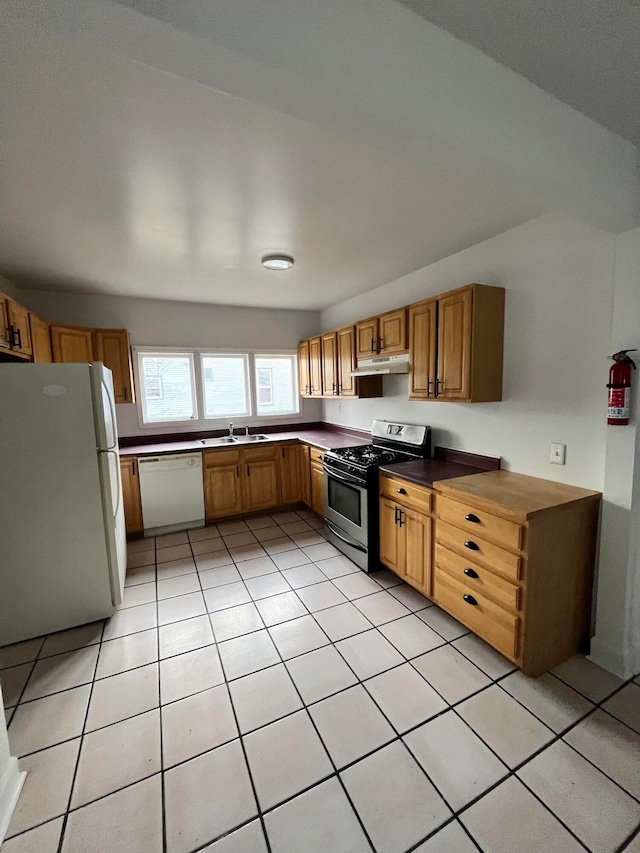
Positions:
(117, 455)
(113, 416)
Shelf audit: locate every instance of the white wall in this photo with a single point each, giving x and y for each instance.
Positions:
(559, 291)
(163, 323)
(9, 288)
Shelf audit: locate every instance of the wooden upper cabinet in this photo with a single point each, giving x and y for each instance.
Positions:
(329, 364)
(40, 340)
(367, 338)
(18, 318)
(131, 495)
(303, 369)
(5, 336)
(422, 349)
(346, 361)
(392, 332)
(454, 346)
(72, 344)
(112, 348)
(315, 366)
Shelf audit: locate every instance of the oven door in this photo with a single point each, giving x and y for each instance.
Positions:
(346, 506)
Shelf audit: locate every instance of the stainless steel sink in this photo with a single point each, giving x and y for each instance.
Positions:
(227, 439)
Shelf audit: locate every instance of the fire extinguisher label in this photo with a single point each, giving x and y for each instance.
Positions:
(618, 403)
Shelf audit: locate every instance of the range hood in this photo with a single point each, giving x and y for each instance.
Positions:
(382, 364)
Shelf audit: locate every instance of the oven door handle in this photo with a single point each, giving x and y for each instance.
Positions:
(351, 542)
(342, 478)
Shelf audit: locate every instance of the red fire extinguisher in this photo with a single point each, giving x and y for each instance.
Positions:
(620, 388)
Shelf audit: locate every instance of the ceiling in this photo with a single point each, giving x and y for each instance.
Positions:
(153, 177)
(585, 52)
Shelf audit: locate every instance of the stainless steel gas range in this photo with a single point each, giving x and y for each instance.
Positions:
(351, 487)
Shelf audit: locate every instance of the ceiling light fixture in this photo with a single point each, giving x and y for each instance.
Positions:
(277, 262)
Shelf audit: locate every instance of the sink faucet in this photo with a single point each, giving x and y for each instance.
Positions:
(231, 430)
(246, 430)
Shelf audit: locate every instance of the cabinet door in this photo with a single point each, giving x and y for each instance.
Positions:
(222, 491)
(112, 348)
(72, 344)
(346, 362)
(422, 350)
(416, 532)
(393, 332)
(315, 366)
(19, 320)
(291, 473)
(40, 340)
(454, 346)
(131, 496)
(261, 485)
(390, 537)
(303, 369)
(367, 338)
(306, 474)
(317, 490)
(5, 339)
(329, 365)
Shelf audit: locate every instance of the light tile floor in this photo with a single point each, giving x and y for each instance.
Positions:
(258, 694)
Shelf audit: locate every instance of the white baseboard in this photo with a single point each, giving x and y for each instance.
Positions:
(10, 786)
(623, 662)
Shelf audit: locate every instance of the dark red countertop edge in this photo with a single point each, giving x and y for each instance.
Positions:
(444, 465)
(171, 437)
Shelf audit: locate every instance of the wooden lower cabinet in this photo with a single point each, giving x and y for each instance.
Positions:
(242, 480)
(131, 496)
(293, 459)
(405, 543)
(261, 485)
(317, 489)
(222, 490)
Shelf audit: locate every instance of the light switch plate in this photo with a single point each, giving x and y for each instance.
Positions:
(557, 453)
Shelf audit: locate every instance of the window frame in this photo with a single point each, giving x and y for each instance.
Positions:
(248, 398)
(200, 422)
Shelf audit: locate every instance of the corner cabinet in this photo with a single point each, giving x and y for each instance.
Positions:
(456, 345)
(131, 496)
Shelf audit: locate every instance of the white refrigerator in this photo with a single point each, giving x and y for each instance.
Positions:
(63, 547)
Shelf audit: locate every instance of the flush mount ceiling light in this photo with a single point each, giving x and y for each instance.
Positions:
(277, 262)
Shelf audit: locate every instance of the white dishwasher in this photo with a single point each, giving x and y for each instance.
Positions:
(172, 492)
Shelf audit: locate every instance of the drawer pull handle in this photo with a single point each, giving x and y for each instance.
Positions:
(470, 573)
(472, 518)
(401, 491)
(471, 545)
(469, 599)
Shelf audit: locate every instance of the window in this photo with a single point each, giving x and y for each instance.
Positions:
(277, 384)
(203, 386)
(225, 382)
(168, 387)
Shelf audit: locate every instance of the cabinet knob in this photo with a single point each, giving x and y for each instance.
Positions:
(471, 545)
(470, 573)
(472, 518)
(401, 491)
(469, 599)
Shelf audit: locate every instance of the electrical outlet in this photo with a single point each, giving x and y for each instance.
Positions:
(557, 453)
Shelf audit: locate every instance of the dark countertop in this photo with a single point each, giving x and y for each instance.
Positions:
(325, 439)
(446, 464)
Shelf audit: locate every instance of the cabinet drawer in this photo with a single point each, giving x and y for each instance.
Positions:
(479, 549)
(259, 454)
(400, 491)
(480, 523)
(316, 455)
(495, 625)
(221, 457)
(478, 579)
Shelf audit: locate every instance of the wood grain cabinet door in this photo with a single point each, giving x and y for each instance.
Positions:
(112, 349)
(391, 537)
(5, 337)
(346, 361)
(222, 491)
(261, 485)
(131, 496)
(417, 549)
(317, 490)
(329, 365)
(72, 344)
(291, 473)
(367, 338)
(422, 350)
(315, 366)
(392, 332)
(19, 321)
(304, 375)
(306, 474)
(454, 345)
(40, 340)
